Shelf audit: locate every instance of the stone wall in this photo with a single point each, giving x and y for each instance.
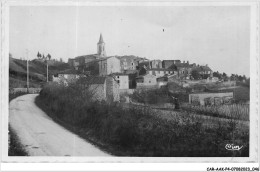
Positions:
(98, 92)
(211, 98)
(113, 65)
(112, 90)
(24, 90)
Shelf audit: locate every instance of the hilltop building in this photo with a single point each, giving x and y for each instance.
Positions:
(122, 80)
(101, 51)
(128, 63)
(109, 65)
(79, 63)
(168, 63)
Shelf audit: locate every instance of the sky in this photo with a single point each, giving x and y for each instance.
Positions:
(218, 36)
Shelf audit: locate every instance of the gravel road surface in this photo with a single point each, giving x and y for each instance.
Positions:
(41, 136)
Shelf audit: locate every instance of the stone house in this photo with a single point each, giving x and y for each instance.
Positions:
(155, 64)
(122, 80)
(168, 63)
(66, 76)
(146, 81)
(204, 71)
(128, 63)
(159, 72)
(211, 98)
(79, 63)
(109, 65)
(150, 64)
(162, 81)
(104, 88)
(184, 70)
(144, 64)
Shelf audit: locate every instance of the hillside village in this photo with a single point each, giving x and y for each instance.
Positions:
(114, 76)
(125, 74)
(136, 71)
(130, 72)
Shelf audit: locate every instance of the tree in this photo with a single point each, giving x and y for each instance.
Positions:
(43, 57)
(49, 56)
(240, 78)
(216, 74)
(39, 55)
(195, 74)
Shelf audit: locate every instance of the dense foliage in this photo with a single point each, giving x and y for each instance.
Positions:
(134, 131)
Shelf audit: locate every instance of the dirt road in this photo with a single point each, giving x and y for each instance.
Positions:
(41, 136)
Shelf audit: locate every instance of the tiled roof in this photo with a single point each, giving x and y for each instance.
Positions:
(104, 58)
(159, 69)
(96, 80)
(171, 61)
(93, 56)
(130, 71)
(142, 76)
(183, 65)
(205, 68)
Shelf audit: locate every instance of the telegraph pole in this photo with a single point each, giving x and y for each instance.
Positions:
(47, 69)
(27, 71)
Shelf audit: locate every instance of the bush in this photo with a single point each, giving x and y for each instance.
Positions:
(133, 131)
(152, 96)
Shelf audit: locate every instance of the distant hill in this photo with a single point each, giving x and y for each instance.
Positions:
(37, 71)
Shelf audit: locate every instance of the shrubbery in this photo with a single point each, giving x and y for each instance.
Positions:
(151, 96)
(132, 131)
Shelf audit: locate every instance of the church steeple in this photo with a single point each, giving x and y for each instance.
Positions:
(101, 47)
(101, 39)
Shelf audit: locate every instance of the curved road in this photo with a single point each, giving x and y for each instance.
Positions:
(41, 136)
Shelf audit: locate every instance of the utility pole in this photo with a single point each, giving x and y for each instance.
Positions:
(47, 70)
(27, 72)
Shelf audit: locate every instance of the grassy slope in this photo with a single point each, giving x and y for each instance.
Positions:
(135, 132)
(37, 69)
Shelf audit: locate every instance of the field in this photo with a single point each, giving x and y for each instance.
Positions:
(136, 131)
(234, 111)
(37, 72)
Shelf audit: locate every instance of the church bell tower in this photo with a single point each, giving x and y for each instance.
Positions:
(101, 47)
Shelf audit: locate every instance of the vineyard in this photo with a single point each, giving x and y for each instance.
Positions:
(233, 111)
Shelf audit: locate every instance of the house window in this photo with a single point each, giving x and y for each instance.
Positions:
(118, 81)
(132, 64)
(117, 76)
(149, 81)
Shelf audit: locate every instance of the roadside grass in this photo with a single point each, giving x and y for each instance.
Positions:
(136, 131)
(16, 94)
(156, 97)
(15, 148)
(233, 111)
